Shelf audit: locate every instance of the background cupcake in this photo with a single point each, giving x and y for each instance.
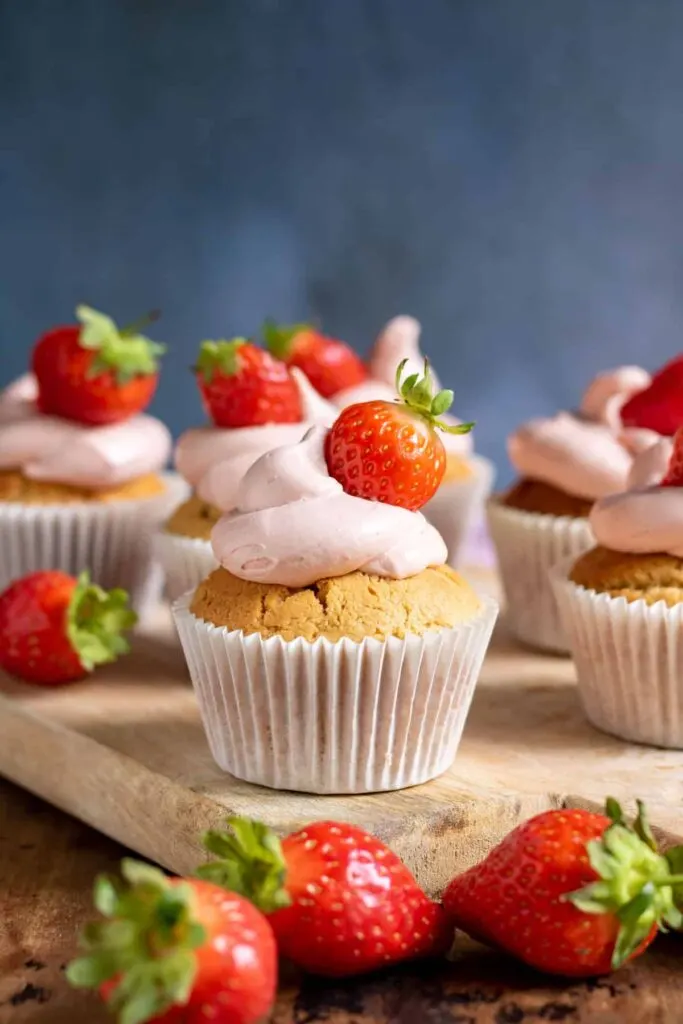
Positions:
(565, 463)
(622, 604)
(81, 483)
(254, 403)
(458, 504)
(334, 651)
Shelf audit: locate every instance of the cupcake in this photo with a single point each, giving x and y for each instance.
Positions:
(622, 604)
(565, 463)
(333, 651)
(458, 504)
(254, 403)
(81, 481)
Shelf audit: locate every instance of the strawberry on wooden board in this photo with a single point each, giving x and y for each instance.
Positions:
(674, 474)
(244, 386)
(339, 901)
(659, 406)
(55, 629)
(177, 951)
(391, 451)
(95, 373)
(570, 892)
(330, 365)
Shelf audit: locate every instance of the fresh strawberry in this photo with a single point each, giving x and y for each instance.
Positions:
(244, 386)
(659, 406)
(330, 365)
(674, 473)
(176, 951)
(340, 902)
(95, 373)
(391, 451)
(55, 629)
(569, 892)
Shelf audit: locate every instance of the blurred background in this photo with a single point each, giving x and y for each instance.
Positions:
(508, 171)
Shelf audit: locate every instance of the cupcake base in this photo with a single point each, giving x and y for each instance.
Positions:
(185, 561)
(458, 504)
(629, 662)
(113, 540)
(334, 717)
(528, 545)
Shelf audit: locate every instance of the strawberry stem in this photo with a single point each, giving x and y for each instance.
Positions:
(95, 622)
(417, 393)
(142, 321)
(278, 338)
(250, 863)
(126, 354)
(634, 882)
(145, 945)
(219, 357)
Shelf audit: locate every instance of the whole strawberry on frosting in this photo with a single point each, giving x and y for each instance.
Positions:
(331, 365)
(94, 372)
(244, 386)
(391, 451)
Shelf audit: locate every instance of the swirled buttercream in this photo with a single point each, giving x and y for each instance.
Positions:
(294, 524)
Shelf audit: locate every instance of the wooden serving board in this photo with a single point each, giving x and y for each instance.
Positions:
(126, 753)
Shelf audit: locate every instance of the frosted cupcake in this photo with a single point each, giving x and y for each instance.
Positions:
(459, 502)
(333, 651)
(81, 481)
(254, 403)
(565, 463)
(622, 604)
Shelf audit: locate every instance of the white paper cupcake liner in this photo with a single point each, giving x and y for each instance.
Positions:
(186, 561)
(629, 662)
(340, 717)
(113, 540)
(456, 506)
(528, 545)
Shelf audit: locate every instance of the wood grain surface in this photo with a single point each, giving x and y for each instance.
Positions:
(47, 865)
(126, 753)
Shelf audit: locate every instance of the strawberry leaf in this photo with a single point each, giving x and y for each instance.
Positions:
(250, 863)
(145, 943)
(124, 352)
(219, 357)
(417, 393)
(95, 621)
(279, 339)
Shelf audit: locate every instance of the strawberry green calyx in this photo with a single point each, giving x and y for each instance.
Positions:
(250, 863)
(219, 357)
(279, 339)
(636, 883)
(144, 946)
(417, 393)
(95, 622)
(123, 352)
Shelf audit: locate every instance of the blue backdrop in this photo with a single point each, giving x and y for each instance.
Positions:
(509, 171)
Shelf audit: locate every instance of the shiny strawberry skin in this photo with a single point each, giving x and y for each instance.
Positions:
(62, 368)
(330, 365)
(236, 967)
(514, 898)
(660, 406)
(383, 451)
(33, 641)
(261, 391)
(355, 906)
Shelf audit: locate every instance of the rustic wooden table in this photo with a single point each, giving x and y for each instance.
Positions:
(47, 865)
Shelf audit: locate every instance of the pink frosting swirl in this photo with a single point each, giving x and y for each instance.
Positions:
(213, 460)
(399, 340)
(54, 450)
(589, 455)
(647, 519)
(294, 525)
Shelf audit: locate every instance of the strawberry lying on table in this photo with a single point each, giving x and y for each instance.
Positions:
(176, 951)
(570, 892)
(95, 373)
(56, 629)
